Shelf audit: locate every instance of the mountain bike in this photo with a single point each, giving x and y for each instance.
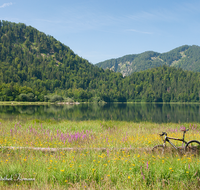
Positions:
(192, 146)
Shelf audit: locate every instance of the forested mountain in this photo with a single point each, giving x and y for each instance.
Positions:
(42, 65)
(185, 57)
(37, 67)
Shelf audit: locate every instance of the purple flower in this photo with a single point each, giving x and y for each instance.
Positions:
(142, 174)
(107, 152)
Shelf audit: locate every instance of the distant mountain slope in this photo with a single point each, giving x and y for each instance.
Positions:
(185, 57)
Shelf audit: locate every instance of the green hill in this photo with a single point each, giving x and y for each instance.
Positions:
(32, 62)
(185, 57)
(37, 67)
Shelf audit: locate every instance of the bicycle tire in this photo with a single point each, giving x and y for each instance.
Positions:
(193, 147)
(158, 149)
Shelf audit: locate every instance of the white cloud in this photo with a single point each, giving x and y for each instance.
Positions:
(5, 5)
(138, 31)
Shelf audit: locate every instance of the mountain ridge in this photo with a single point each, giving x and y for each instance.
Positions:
(185, 57)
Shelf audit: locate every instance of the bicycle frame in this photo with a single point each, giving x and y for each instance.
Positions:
(172, 138)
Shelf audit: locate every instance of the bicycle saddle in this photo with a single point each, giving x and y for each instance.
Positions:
(184, 129)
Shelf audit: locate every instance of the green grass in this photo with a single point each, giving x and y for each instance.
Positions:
(23, 103)
(92, 169)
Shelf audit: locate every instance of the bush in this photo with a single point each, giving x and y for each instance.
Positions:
(56, 98)
(23, 97)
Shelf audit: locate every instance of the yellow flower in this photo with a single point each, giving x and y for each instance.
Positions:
(129, 177)
(62, 170)
(187, 172)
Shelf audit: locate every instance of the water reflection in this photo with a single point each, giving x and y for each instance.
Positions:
(159, 113)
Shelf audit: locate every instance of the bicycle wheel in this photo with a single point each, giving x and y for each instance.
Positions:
(193, 147)
(158, 149)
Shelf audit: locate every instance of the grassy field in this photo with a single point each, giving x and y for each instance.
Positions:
(125, 161)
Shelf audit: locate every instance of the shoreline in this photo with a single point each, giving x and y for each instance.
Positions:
(77, 103)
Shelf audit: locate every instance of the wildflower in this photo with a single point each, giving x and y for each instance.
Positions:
(142, 174)
(129, 177)
(62, 170)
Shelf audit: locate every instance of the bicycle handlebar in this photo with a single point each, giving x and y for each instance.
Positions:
(163, 133)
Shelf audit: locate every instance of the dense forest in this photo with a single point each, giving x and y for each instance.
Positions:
(185, 57)
(37, 67)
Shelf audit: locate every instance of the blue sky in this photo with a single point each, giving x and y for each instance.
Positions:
(98, 30)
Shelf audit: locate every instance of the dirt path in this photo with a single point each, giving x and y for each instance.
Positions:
(75, 149)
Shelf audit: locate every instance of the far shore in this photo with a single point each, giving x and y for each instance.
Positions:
(77, 103)
(35, 103)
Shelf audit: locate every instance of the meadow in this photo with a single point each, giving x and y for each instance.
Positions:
(104, 155)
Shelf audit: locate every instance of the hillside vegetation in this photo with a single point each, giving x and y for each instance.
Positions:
(185, 57)
(32, 62)
(37, 67)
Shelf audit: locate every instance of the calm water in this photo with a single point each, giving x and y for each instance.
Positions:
(159, 113)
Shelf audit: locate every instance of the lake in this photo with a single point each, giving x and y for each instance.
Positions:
(158, 113)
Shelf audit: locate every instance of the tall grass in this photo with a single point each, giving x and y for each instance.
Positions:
(89, 168)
